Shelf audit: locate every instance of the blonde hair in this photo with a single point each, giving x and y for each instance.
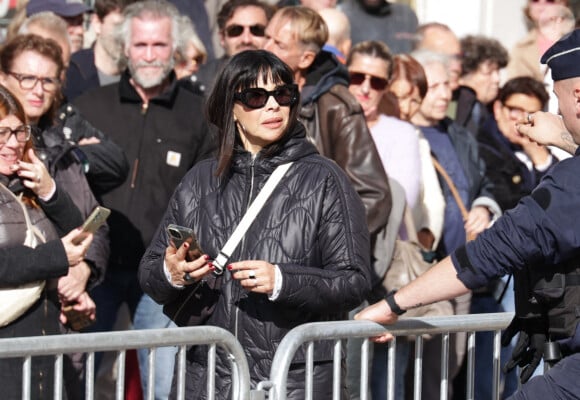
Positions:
(310, 29)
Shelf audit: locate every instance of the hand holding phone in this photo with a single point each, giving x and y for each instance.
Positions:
(180, 234)
(93, 222)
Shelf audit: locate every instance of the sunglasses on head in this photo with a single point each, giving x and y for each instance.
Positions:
(257, 97)
(357, 78)
(237, 30)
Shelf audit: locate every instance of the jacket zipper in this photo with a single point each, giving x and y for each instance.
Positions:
(236, 319)
(144, 108)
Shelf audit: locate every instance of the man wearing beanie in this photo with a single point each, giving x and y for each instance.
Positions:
(540, 237)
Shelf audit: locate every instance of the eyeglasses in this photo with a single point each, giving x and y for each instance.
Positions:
(377, 83)
(22, 133)
(237, 30)
(545, 1)
(516, 112)
(28, 82)
(257, 97)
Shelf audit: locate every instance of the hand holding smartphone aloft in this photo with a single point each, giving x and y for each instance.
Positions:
(93, 222)
(180, 234)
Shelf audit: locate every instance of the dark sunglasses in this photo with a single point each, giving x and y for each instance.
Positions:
(357, 78)
(237, 30)
(545, 1)
(257, 97)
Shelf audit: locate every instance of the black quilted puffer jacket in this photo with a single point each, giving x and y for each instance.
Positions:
(313, 227)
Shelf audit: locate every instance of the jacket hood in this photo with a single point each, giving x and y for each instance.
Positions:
(293, 148)
(325, 72)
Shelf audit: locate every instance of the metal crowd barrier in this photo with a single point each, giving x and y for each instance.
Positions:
(307, 334)
(275, 387)
(121, 341)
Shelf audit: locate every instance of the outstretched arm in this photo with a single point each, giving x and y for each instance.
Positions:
(438, 283)
(547, 129)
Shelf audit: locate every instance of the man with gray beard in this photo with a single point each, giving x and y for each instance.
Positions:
(163, 133)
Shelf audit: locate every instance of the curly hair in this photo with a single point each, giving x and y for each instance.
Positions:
(479, 49)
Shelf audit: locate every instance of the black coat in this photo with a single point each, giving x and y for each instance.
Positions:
(81, 75)
(511, 178)
(161, 140)
(64, 163)
(313, 227)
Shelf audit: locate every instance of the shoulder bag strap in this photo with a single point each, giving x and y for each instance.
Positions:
(452, 187)
(226, 251)
(32, 233)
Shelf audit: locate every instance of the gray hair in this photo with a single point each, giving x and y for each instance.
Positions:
(49, 22)
(427, 57)
(155, 9)
(187, 35)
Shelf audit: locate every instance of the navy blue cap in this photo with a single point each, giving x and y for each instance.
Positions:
(563, 58)
(62, 8)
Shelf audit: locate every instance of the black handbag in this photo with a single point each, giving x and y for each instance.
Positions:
(194, 304)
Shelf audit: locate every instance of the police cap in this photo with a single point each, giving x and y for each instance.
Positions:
(563, 58)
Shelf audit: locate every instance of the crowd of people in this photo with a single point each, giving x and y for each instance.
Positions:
(182, 112)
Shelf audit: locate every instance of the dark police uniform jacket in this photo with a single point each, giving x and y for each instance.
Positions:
(542, 231)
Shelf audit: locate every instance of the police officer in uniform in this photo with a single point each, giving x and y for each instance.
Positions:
(540, 240)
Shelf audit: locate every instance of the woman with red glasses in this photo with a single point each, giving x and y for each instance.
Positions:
(305, 257)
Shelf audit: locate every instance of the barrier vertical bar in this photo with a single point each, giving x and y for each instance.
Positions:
(151, 358)
(470, 390)
(57, 378)
(392, 355)
(364, 368)
(336, 369)
(120, 388)
(444, 386)
(496, 363)
(26, 377)
(211, 357)
(181, 372)
(310, 371)
(418, 378)
(90, 376)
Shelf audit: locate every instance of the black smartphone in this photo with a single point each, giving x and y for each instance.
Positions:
(93, 222)
(180, 234)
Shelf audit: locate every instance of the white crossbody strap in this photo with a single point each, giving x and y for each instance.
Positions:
(226, 251)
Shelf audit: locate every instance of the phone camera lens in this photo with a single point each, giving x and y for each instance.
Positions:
(175, 233)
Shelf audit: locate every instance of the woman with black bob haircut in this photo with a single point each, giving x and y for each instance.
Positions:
(246, 72)
(305, 258)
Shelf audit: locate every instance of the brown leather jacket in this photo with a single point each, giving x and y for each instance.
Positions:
(336, 124)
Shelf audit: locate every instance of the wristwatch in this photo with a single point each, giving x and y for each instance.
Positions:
(390, 299)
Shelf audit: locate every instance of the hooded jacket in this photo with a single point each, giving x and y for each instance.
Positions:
(336, 124)
(312, 227)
